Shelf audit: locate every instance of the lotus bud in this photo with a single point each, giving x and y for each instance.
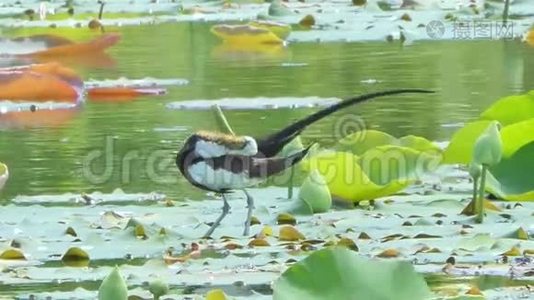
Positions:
(488, 147)
(113, 287)
(475, 170)
(4, 175)
(315, 192)
(158, 288)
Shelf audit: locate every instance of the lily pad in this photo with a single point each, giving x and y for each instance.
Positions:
(245, 34)
(340, 273)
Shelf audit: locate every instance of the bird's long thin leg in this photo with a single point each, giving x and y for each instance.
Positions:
(225, 210)
(250, 208)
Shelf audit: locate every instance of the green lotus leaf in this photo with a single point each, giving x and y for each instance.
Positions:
(460, 149)
(315, 192)
(514, 136)
(339, 273)
(389, 164)
(511, 109)
(362, 141)
(379, 172)
(512, 178)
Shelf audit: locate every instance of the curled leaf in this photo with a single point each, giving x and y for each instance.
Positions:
(389, 253)
(289, 233)
(12, 254)
(75, 257)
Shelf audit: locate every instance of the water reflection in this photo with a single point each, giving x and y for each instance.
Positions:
(468, 75)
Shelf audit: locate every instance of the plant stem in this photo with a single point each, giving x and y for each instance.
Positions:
(480, 203)
(221, 120)
(475, 190)
(290, 187)
(505, 12)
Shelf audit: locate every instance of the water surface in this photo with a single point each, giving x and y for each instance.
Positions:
(132, 145)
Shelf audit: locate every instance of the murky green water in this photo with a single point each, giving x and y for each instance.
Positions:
(137, 155)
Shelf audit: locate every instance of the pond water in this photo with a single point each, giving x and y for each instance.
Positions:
(138, 140)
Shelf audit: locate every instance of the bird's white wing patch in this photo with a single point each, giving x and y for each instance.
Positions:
(220, 179)
(207, 149)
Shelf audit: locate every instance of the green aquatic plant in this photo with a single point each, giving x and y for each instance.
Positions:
(340, 273)
(487, 153)
(113, 287)
(293, 147)
(510, 178)
(314, 191)
(374, 164)
(158, 288)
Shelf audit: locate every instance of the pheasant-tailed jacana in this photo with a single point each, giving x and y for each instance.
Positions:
(221, 163)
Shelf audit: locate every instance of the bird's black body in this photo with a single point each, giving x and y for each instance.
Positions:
(221, 163)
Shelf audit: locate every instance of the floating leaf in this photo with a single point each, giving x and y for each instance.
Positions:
(12, 254)
(70, 231)
(315, 192)
(478, 242)
(342, 274)
(254, 221)
(280, 29)
(14, 86)
(285, 218)
(75, 257)
(70, 48)
(307, 22)
(389, 253)
(364, 236)
(289, 233)
(475, 291)
(514, 251)
(267, 231)
(245, 35)
(113, 287)
(258, 243)
(469, 210)
(139, 232)
(348, 243)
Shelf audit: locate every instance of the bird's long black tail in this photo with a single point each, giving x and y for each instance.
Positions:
(273, 143)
